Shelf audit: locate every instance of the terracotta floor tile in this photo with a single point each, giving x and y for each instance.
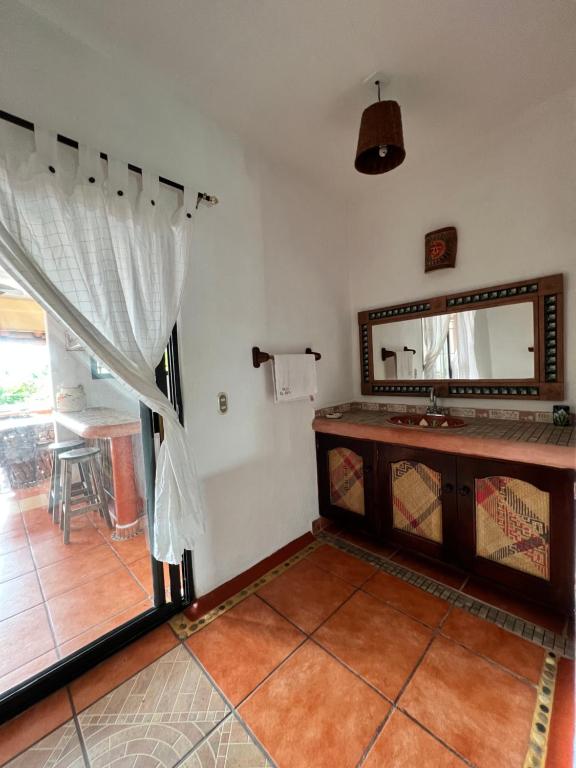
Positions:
(512, 652)
(13, 540)
(367, 542)
(26, 729)
(60, 749)
(131, 549)
(306, 595)
(164, 711)
(312, 711)
(403, 744)
(78, 569)
(22, 673)
(142, 572)
(405, 597)
(561, 735)
(525, 610)
(479, 710)
(77, 610)
(24, 637)
(244, 645)
(11, 520)
(376, 641)
(19, 594)
(101, 629)
(51, 550)
(40, 525)
(15, 564)
(228, 746)
(436, 571)
(118, 668)
(341, 564)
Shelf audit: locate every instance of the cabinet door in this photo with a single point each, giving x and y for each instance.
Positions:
(418, 507)
(516, 526)
(345, 480)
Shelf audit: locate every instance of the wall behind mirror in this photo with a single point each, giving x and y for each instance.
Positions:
(490, 343)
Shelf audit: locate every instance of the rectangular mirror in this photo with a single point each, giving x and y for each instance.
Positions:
(503, 341)
(492, 343)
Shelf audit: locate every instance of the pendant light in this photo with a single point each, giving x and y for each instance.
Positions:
(380, 143)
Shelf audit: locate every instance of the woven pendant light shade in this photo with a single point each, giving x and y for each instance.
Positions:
(380, 134)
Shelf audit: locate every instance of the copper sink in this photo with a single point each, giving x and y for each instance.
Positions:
(427, 421)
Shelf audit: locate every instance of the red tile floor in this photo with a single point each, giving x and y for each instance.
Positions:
(332, 664)
(56, 597)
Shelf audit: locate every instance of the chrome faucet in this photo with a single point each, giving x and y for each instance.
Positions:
(433, 407)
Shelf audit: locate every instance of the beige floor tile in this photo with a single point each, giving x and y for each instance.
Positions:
(41, 500)
(229, 746)
(163, 712)
(60, 749)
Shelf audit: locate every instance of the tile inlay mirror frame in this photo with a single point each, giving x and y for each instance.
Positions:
(545, 293)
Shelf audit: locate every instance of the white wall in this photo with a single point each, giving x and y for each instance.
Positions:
(511, 196)
(269, 268)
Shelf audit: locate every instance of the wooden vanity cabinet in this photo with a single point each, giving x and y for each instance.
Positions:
(505, 522)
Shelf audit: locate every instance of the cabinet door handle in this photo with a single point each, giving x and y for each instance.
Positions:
(447, 488)
(464, 490)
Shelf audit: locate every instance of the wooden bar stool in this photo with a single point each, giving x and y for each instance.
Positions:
(54, 496)
(92, 496)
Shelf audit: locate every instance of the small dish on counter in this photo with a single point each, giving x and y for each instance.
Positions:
(335, 415)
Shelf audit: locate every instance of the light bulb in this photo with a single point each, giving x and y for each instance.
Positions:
(383, 150)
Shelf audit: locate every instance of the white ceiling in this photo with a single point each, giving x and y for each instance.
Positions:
(287, 74)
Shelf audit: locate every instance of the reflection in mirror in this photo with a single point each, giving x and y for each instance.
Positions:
(491, 343)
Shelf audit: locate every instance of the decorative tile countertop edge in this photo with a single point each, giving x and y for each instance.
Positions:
(508, 414)
(508, 440)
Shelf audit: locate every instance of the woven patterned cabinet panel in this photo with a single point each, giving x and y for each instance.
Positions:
(346, 471)
(417, 499)
(513, 524)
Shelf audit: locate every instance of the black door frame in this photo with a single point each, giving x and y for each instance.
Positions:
(17, 699)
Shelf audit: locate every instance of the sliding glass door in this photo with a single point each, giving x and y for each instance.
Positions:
(77, 460)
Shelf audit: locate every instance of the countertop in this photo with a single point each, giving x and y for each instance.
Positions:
(525, 441)
(99, 422)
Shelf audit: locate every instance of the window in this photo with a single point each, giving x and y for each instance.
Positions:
(24, 376)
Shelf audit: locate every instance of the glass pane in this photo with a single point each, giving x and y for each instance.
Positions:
(346, 470)
(513, 524)
(63, 586)
(492, 343)
(416, 499)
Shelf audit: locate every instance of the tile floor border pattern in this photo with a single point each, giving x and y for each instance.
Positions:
(539, 732)
(538, 635)
(535, 757)
(185, 627)
(80, 720)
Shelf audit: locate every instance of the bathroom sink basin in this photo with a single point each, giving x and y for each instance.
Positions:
(429, 422)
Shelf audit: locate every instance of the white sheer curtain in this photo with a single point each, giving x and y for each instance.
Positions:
(109, 258)
(434, 335)
(464, 365)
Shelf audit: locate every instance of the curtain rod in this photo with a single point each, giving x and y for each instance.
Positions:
(202, 197)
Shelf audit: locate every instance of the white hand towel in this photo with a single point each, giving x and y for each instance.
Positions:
(294, 377)
(404, 365)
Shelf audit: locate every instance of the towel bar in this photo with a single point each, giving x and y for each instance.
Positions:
(259, 357)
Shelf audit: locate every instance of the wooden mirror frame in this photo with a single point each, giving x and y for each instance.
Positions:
(545, 293)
